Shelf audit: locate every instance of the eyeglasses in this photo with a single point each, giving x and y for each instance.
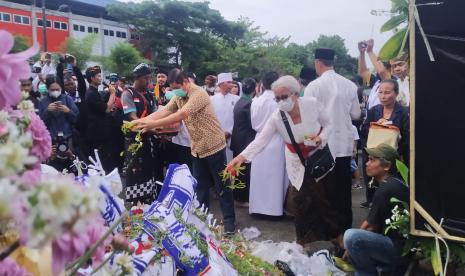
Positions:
(281, 98)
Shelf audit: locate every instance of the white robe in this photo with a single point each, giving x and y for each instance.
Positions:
(224, 109)
(268, 178)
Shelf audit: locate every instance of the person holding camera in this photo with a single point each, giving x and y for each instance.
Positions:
(58, 112)
(41, 69)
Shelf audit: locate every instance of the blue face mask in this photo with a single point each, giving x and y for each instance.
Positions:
(179, 92)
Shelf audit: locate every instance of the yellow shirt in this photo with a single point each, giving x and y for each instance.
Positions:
(207, 137)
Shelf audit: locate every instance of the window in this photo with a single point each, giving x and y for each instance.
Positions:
(20, 19)
(112, 33)
(75, 27)
(82, 28)
(118, 34)
(105, 32)
(134, 37)
(5, 17)
(49, 24)
(89, 29)
(56, 25)
(17, 18)
(95, 30)
(64, 26)
(123, 34)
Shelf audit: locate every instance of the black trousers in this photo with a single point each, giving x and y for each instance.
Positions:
(315, 217)
(341, 197)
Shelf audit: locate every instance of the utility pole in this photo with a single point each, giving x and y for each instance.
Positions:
(44, 26)
(34, 22)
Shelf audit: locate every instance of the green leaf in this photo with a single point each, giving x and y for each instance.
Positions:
(403, 170)
(393, 23)
(435, 261)
(392, 47)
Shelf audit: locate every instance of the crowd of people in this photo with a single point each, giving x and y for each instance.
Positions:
(298, 138)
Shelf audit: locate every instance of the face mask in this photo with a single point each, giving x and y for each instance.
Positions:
(54, 94)
(179, 92)
(286, 105)
(42, 89)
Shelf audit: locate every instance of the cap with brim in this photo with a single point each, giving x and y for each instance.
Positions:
(383, 151)
(324, 53)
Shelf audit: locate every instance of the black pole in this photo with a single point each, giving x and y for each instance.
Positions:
(44, 26)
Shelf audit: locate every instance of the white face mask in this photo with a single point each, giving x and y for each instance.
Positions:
(286, 105)
(54, 94)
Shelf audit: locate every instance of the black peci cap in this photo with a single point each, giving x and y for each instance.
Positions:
(324, 53)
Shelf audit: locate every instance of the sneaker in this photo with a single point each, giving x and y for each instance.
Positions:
(229, 230)
(366, 205)
(356, 186)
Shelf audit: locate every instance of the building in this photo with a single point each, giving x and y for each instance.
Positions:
(66, 18)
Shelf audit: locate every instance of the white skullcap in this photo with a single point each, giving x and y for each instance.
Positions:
(224, 77)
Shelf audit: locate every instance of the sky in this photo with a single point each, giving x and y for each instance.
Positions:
(305, 20)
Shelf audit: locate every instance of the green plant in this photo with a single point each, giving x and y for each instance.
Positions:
(395, 45)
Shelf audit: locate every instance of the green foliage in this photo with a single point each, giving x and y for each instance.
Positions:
(80, 48)
(21, 44)
(392, 47)
(403, 170)
(123, 58)
(344, 63)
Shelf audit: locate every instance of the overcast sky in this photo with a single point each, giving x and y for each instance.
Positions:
(305, 20)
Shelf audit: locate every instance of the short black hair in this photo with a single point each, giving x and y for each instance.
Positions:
(394, 83)
(269, 78)
(49, 79)
(248, 86)
(177, 76)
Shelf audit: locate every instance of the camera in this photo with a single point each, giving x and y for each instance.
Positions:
(62, 146)
(67, 58)
(36, 70)
(364, 45)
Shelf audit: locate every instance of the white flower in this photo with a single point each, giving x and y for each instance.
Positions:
(124, 260)
(388, 221)
(26, 106)
(13, 159)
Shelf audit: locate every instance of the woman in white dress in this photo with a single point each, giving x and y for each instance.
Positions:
(315, 219)
(268, 178)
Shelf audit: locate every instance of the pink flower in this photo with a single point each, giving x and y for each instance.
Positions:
(30, 177)
(3, 129)
(70, 246)
(41, 141)
(8, 267)
(13, 67)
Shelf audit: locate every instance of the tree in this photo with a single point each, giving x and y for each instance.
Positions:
(80, 48)
(344, 63)
(123, 58)
(21, 44)
(177, 32)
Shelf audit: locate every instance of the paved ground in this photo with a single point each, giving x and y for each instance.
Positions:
(283, 229)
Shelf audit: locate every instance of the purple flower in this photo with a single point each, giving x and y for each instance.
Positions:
(41, 141)
(8, 267)
(70, 246)
(13, 67)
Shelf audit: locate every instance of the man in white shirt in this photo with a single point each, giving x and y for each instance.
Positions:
(399, 69)
(339, 96)
(223, 103)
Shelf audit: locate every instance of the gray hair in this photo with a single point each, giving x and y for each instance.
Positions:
(288, 82)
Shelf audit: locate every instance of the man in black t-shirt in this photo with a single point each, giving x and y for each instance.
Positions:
(98, 134)
(368, 248)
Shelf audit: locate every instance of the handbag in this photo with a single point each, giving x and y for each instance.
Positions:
(319, 164)
(383, 134)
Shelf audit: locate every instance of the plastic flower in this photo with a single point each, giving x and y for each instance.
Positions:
(13, 158)
(124, 260)
(41, 140)
(11, 268)
(13, 67)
